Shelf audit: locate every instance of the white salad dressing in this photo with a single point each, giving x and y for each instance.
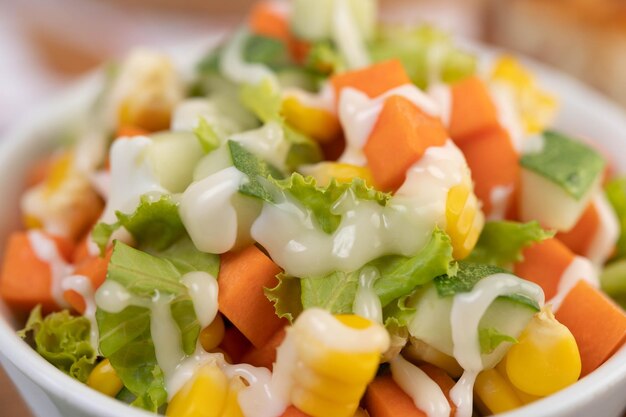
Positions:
(500, 197)
(234, 67)
(467, 310)
(441, 94)
(580, 269)
(83, 286)
(366, 302)
(214, 212)
(358, 114)
(509, 119)
(188, 113)
(604, 239)
(367, 230)
(425, 393)
(268, 142)
(323, 100)
(47, 251)
(203, 290)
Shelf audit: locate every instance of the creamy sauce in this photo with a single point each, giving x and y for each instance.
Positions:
(323, 100)
(604, 239)
(467, 310)
(210, 209)
(358, 114)
(367, 230)
(47, 251)
(131, 177)
(267, 142)
(509, 119)
(500, 197)
(234, 67)
(203, 291)
(425, 393)
(366, 302)
(347, 36)
(166, 336)
(82, 286)
(100, 181)
(580, 269)
(533, 144)
(441, 94)
(188, 113)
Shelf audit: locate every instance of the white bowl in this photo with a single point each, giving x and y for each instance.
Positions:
(50, 393)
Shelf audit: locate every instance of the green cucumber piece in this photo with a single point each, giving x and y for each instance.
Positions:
(570, 164)
(173, 157)
(313, 19)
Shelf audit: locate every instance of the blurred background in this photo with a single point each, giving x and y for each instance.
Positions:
(46, 44)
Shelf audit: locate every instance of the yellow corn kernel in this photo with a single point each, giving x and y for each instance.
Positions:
(419, 351)
(495, 392)
(464, 219)
(58, 173)
(316, 406)
(32, 222)
(546, 359)
(203, 396)
(319, 124)
(232, 408)
(536, 107)
(524, 397)
(212, 335)
(103, 378)
(326, 387)
(324, 172)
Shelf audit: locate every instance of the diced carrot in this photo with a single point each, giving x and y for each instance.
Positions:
(130, 131)
(445, 382)
(400, 137)
(494, 163)
(235, 344)
(82, 251)
(373, 80)
(597, 323)
(243, 276)
(95, 269)
(266, 20)
(384, 398)
(579, 238)
(544, 264)
(472, 109)
(266, 355)
(292, 411)
(26, 279)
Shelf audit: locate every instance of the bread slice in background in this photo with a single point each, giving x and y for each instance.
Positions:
(586, 38)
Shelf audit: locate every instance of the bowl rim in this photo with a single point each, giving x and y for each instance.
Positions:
(36, 368)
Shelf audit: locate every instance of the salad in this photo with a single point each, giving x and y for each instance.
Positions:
(328, 218)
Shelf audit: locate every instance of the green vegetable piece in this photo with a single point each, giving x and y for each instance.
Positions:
(286, 297)
(63, 340)
(125, 337)
(616, 194)
(334, 292)
(572, 165)
(501, 242)
(270, 52)
(490, 338)
(613, 281)
(154, 224)
(209, 140)
(255, 169)
(397, 313)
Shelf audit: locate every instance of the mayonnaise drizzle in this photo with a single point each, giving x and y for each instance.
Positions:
(47, 251)
(366, 302)
(234, 67)
(606, 235)
(441, 94)
(467, 310)
(580, 269)
(367, 230)
(509, 119)
(83, 286)
(323, 100)
(358, 114)
(267, 142)
(500, 197)
(425, 393)
(203, 290)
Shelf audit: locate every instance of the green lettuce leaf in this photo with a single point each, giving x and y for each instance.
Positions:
(63, 340)
(399, 276)
(286, 297)
(490, 338)
(125, 337)
(616, 194)
(255, 169)
(208, 138)
(501, 242)
(398, 314)
(154, 224)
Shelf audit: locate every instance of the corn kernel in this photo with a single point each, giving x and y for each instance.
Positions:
(203, 396)
(319, 124)
(546, 359)
(317, 406)
(326, 387)
(464, 219)
(324, 172)
(59, 171)
(212, 335)
(495, 392)
(104, 379)
(524, 397)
